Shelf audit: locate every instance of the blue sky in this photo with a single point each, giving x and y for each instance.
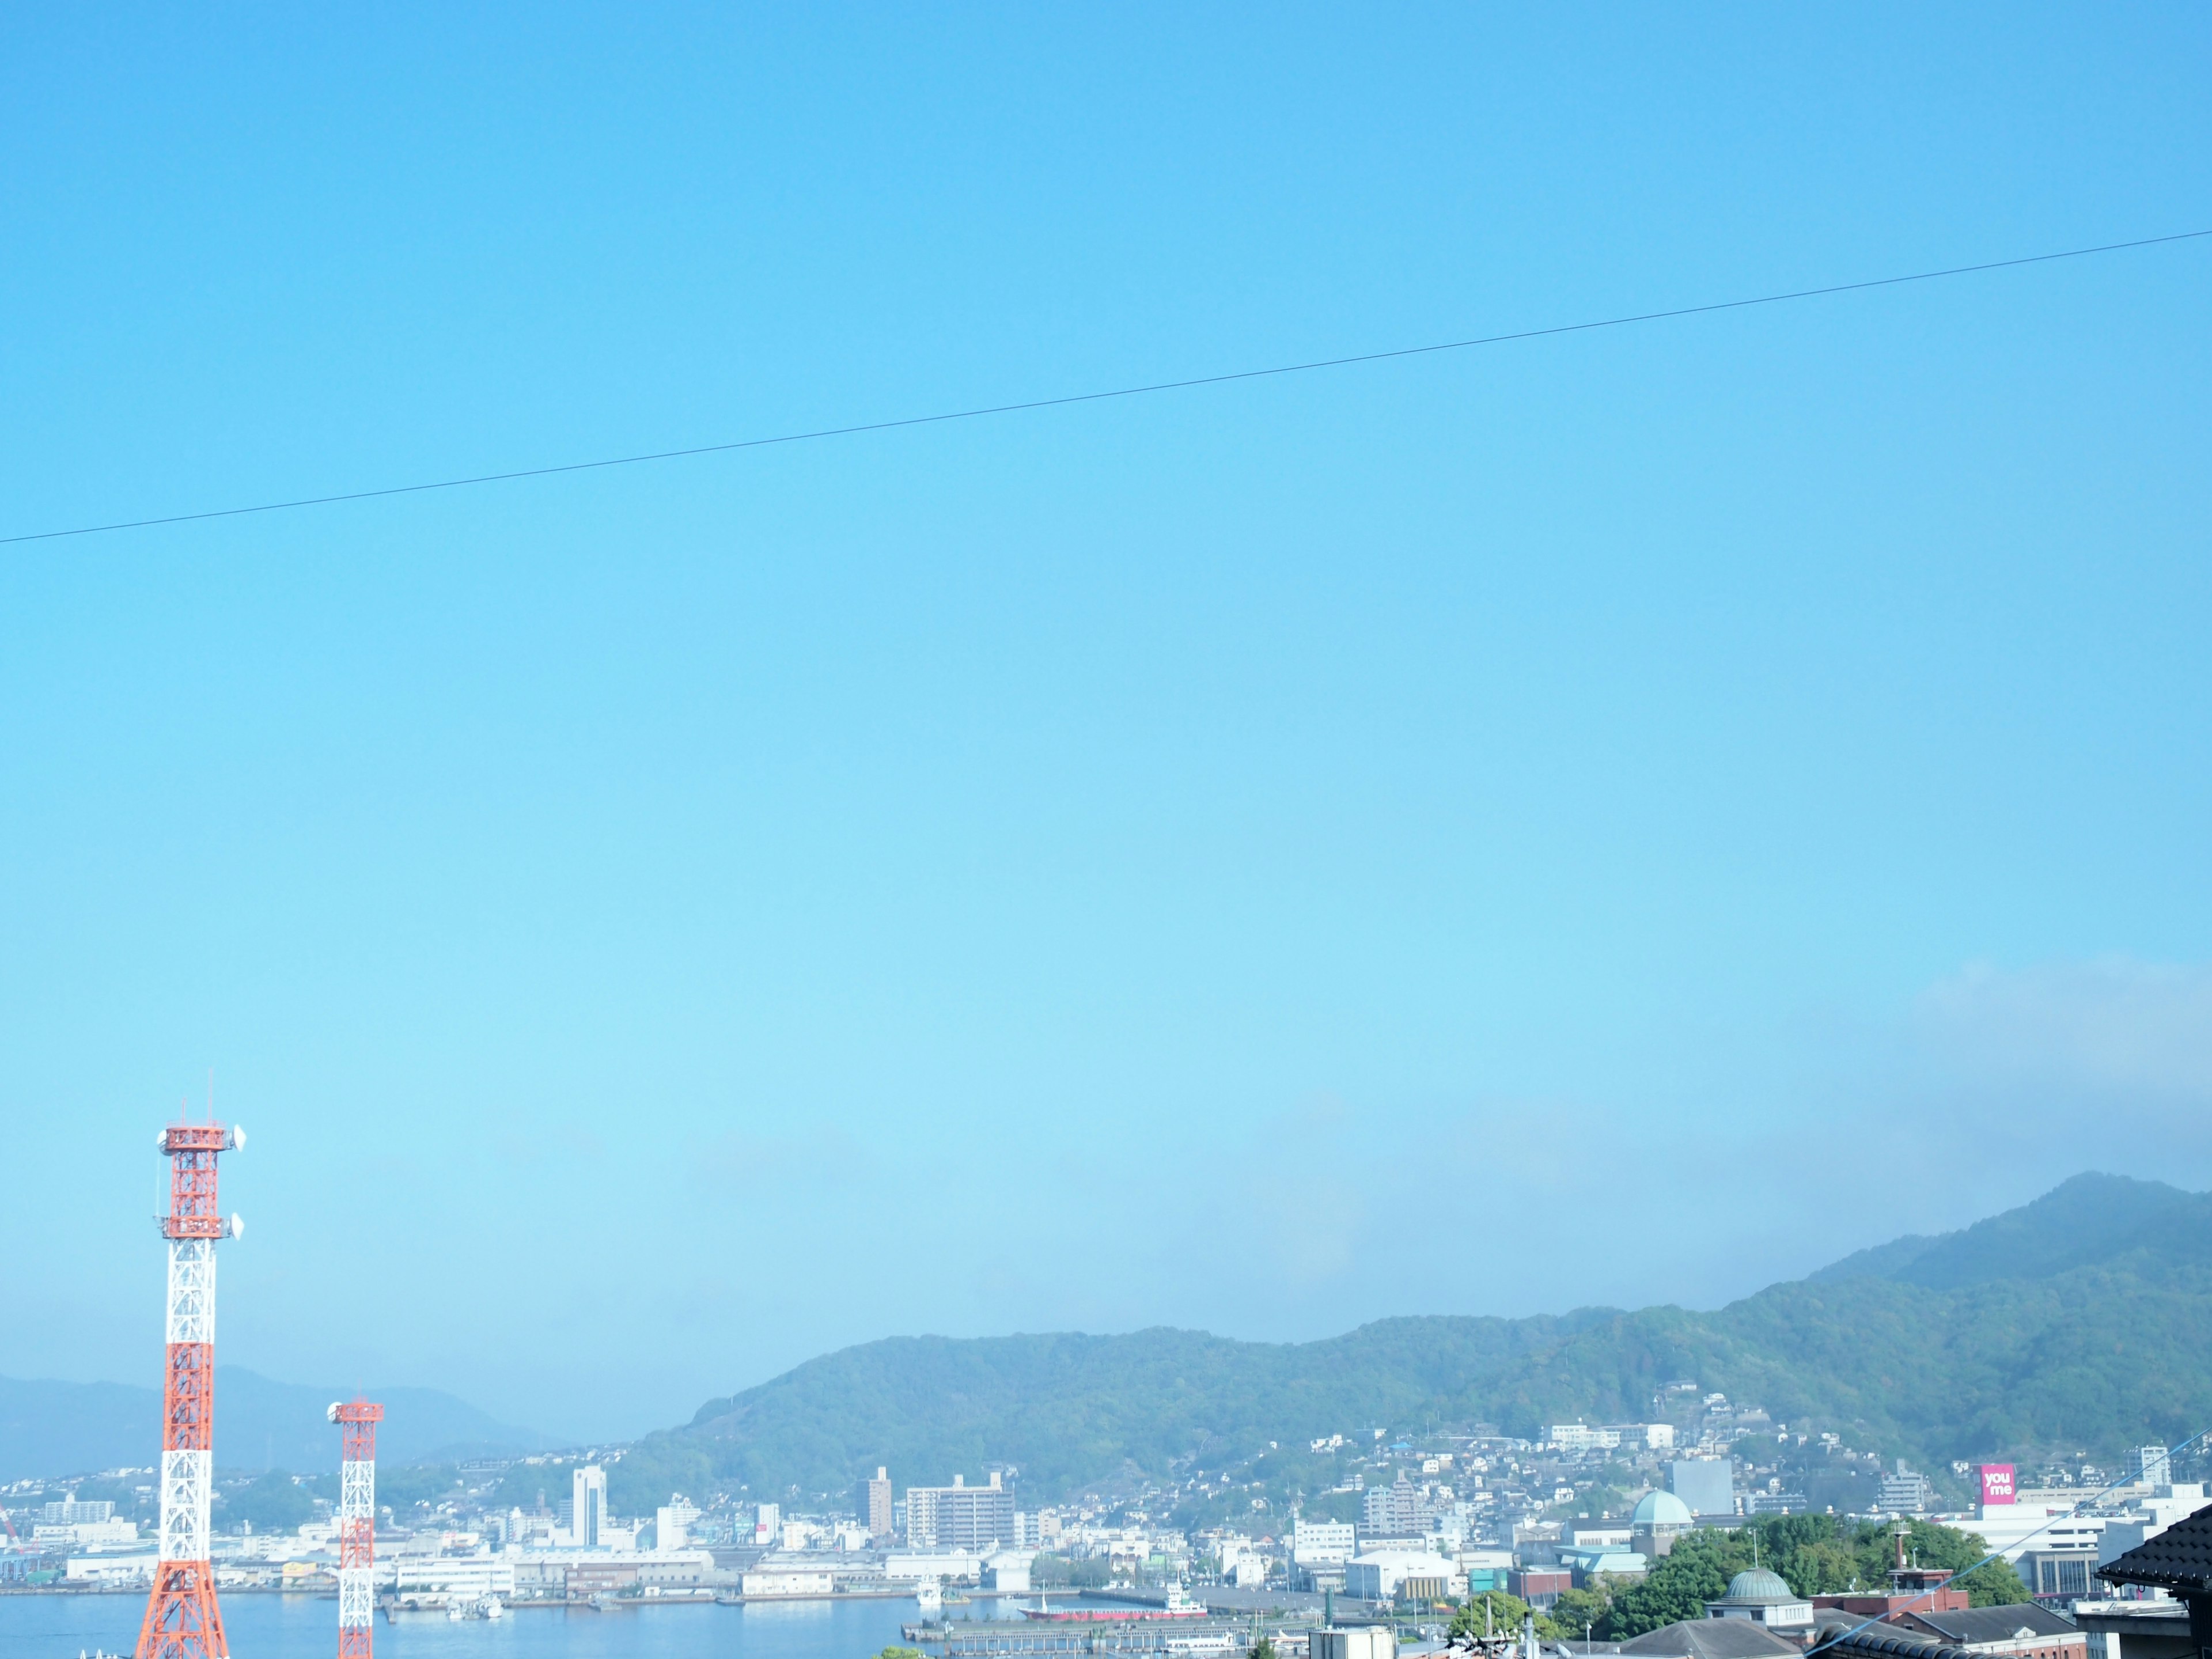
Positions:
(1619, 818)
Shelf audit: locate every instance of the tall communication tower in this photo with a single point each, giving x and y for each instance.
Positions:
(182, 1619)
(356, 1422)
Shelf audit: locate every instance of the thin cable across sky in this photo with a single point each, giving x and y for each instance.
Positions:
(1065, 399)
(2096, 1497)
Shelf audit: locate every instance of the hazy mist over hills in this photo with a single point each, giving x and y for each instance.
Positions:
(2089, 1219)
(53, 1428)
(2080, 1321)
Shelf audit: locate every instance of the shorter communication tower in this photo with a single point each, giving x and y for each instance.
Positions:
(356, 1422)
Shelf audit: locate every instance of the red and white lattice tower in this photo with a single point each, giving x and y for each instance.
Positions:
(357, 1422)
(182, 1619)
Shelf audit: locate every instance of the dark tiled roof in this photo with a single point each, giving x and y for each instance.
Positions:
(2180, 1558)
(1882, 1642)
(1710, 1638)
(1969, 1625)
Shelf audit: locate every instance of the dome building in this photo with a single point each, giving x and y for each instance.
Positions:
(1762, 1597)
(1658, 1518)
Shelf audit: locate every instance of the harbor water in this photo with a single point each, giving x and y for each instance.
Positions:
(268, 1626)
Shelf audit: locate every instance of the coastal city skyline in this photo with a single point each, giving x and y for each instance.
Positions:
(1140, 832)
(1571, 1519)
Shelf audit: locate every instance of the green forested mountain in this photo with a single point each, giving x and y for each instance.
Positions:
(2081, 1322)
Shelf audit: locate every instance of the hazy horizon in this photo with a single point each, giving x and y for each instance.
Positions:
(496, 1408)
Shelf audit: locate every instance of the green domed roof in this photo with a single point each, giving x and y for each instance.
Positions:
(1662, 1508)
(1757, 1585)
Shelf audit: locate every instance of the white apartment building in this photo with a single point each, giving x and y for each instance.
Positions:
(1322, 1543)
(1581, 1437)
(68, 1512)
(671, 1524)
(960, 1517)
(1397, 1510)
(530, 1531)
(1904, 1492)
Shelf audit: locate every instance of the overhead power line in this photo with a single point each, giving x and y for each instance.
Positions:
(1842, 1636)
(1063, 401)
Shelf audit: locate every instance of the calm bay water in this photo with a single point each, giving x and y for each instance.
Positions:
(265, 1626)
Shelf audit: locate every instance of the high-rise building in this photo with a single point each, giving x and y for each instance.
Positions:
(873, 1501)
(588, 1507)
(960, 1517)
(1707, 1485)
(1904, 1492)
(672, 1524)
(1397, 1510)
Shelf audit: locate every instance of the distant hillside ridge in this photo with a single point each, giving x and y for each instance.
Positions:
(53, 1429)
(2081, 1321)
(2089, 1219)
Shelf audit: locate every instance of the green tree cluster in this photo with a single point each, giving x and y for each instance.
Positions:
(1582, 1611)
(1495, 1613)
(1814, 1555)
(521, 1486)
(403, 1488)
(1058, 1572)
(271, 1503)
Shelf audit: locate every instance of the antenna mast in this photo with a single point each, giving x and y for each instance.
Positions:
(357, 1424)
(182, 1619)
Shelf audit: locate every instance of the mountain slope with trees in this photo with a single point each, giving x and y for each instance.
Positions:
(2080, 1322)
